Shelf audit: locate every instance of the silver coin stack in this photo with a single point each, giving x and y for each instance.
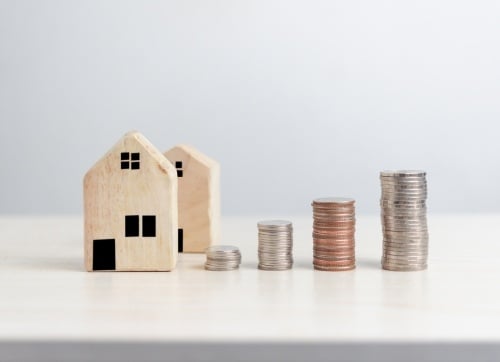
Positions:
(275, 244)
(222, 257)
(404, 220)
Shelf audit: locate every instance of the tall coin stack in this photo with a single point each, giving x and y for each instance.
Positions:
(275, 245)
(404, 220)
(333, 234)
(222, 257)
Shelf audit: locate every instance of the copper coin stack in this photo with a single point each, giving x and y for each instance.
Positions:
(333, 234)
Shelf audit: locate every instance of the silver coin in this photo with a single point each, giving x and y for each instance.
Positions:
(416, 229)
(405, 225)
(406, 243)
(403, 263)
(393, 207)
(209, 266)
(403, 173)
(274, 223)
(405, 234)
(408, 221)
(222, 249)
(412, 195)
(391, 267)
(404, 258)
(405, 251)
(410, 181)
(405, 247)
(388, 191)
(403, 184)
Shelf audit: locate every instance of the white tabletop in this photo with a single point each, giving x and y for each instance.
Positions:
(46, 294)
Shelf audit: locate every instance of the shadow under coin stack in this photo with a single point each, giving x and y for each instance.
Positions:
(333, 234)
(275, 245)
(404, 220)
(222, 257)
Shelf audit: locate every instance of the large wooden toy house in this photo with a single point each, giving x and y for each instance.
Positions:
(130, 206)
(198, 198)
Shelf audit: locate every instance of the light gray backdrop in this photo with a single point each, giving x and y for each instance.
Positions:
(296, 99)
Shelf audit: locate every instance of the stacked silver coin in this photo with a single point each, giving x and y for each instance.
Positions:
(222, 257)
(275, 245)
(404, 220)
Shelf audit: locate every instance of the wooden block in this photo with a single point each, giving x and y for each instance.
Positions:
(130, 206)
(198, 199)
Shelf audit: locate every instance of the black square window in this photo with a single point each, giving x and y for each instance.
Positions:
(149, 226)
(131, 225)
(130, 160)
(103, 254)
(178, 166)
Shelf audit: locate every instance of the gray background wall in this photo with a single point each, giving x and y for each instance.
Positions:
(296, 99)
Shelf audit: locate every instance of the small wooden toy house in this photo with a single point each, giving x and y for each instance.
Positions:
(130, 206)
(198, 198)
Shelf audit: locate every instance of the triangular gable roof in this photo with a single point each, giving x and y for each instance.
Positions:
(195, 154)
(141, 141)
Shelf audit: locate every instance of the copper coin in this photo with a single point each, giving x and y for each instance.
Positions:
(338, 268)
(336, 240)
(326, 237)
(340, 259)
(340, 249)
(332, 244)
(332, 263)
(333, 200)
(333, 253)
(345, 257)
(340, 233)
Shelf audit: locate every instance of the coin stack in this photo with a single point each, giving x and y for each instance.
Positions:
(404, 220)
(333, 234)
(275, 244)
(222, 257)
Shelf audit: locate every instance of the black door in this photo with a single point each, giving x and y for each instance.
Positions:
(180, 240)
(104, 255)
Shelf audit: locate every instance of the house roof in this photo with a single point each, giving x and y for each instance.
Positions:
(141, 141)
(194, 153)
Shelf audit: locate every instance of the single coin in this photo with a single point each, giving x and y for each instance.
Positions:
(403, 173)
(333, 200)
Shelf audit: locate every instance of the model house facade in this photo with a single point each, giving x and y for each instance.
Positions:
(130, 209)
(198, 178)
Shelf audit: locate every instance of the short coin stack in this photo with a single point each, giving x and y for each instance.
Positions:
(275, 244)
(404, 220)
(222, 257)
(333, 234)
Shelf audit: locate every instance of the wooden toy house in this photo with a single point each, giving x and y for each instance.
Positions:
(198, 198)
(130, 207)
